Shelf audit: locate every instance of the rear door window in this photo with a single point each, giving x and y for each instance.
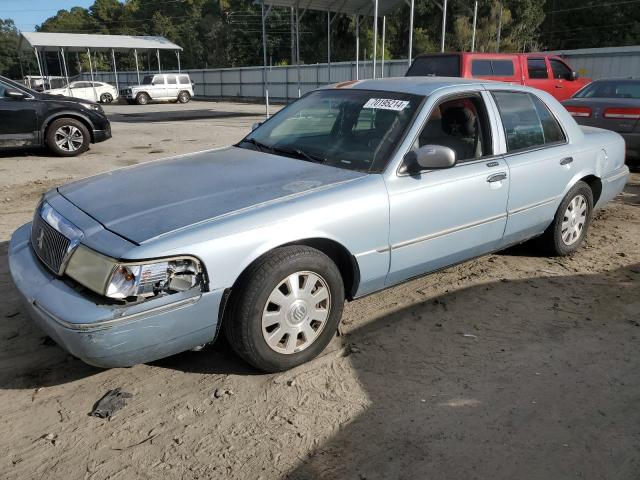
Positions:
(520, 120)
(537, 68)
(435, 66)
(171, 80)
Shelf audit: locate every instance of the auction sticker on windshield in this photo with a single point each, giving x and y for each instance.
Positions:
(386, 104)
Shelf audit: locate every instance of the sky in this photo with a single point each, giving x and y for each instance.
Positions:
(29, 13)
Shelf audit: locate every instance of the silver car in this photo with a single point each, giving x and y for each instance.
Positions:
(351, 189)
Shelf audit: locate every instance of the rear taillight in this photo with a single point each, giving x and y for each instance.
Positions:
(579, 111)
(622, 113)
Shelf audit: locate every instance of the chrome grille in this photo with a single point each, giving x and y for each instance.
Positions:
(50, 246)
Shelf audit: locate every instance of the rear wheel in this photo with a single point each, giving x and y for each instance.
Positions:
(184, 97)
(286, 308)
(571, 222)
(142, 98)
(106, 98)
(68, 137)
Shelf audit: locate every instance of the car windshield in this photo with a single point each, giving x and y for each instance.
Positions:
(147, 80)
(345, 128)
(611, 89)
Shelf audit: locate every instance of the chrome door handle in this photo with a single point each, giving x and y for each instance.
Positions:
(566, 161)
(496, 177)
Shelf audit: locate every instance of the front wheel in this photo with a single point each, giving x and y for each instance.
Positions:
(142, 98)
(286, 308)
(571, 222)
(68, 137)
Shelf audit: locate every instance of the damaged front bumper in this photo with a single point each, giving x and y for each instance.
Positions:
(110, 335)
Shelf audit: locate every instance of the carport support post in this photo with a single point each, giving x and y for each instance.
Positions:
(115, 69)
(64, 64)
(298, 49)
(158, 57)
(35, 50)
(475, 18)
(357, 46)
(384, 21)
(444, 24)
(375, 37)
(411, 31)
(265, 83)
(95, 94)
(135, 54)
(178, 55)
(328, 47)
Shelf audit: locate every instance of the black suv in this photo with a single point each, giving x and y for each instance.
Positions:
(64, 124)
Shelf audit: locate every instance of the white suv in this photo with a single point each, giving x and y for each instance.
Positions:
(160, 87)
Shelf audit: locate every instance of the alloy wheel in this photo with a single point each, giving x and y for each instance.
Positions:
(69, 138)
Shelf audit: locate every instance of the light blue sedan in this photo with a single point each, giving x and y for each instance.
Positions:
(351, 189)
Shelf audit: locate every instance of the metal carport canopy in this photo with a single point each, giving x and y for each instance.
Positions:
(64, 43)
(79, 42)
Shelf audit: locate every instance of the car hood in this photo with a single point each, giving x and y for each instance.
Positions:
(143, 202)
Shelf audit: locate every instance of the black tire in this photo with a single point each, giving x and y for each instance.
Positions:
(142, 98)
(184, 97)
(552, 240)
(106, 98)
(243, 321)
(72, 126)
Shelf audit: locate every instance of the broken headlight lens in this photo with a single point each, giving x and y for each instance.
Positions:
(128, 280)
(121, 280)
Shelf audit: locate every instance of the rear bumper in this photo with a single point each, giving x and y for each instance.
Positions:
(107, 335)
(613, 184)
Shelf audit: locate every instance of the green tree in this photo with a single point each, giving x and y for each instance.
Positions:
(9, 61)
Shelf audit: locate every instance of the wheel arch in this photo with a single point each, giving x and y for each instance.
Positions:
(345, 261)
(595, 183)
(67, 114)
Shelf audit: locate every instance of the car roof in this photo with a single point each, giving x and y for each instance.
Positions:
(413, 85)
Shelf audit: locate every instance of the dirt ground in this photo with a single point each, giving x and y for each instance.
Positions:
(511, 366)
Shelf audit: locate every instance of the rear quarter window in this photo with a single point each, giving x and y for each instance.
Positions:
(184, 79)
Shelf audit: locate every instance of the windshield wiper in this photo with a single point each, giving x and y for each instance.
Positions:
(300, 153)
(259, 145)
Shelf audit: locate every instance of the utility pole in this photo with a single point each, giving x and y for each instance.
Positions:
(499, 28)
(475, 18)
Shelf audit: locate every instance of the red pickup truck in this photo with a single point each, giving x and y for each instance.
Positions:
(539, 70)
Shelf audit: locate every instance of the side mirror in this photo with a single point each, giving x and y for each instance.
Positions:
(574, 75)
(14, 94)
(428, 157)
(255, 125)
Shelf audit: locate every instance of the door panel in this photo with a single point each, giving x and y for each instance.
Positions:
(442, 217)
(538, 180)
(18, 122)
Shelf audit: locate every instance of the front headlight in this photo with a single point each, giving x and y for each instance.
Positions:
(93, 106)
(121, 280)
